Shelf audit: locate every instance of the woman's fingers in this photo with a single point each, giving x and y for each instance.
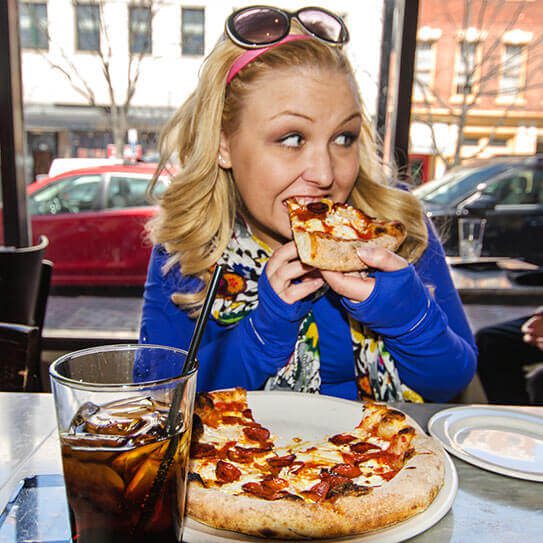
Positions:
(288, 277)
(357, 286)
(380, 258)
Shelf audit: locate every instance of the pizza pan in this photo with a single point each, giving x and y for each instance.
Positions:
(495, 438)
(313, 416)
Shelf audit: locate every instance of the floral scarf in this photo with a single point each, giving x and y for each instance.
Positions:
(376, 374)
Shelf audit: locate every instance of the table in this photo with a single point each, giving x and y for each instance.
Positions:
(488, 507)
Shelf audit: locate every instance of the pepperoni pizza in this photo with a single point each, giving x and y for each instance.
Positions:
(327, 234)
(369, 477)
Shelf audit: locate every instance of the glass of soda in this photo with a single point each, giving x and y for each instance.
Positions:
(124, 416)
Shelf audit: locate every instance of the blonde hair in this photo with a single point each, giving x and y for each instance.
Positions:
(198, 209)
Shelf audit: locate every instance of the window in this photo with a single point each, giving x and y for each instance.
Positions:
(465, 67)
(33, 25)
(192, 31)
(126, 191)
(70, 195)
(140, 29)
(88, 27)
(424, 69)
(498, 141)
(521, 188)
(471, 140)
(512, 79)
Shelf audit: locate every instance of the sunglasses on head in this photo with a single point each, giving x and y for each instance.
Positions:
(259, 26)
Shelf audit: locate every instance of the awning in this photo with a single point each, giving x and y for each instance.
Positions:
(86, 118)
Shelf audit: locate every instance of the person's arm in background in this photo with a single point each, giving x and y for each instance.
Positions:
(428, 336)
(244, 354)
(532, 329)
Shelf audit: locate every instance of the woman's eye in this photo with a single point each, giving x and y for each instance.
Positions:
(346, 139)
(292, 140)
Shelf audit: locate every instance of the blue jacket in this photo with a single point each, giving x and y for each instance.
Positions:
(428, 336)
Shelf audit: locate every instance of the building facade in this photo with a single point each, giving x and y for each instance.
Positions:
(478, 82)
(81, 59)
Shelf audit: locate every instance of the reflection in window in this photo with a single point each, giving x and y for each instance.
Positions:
(465, 67)
(33, 25)
(511, 79)
(88, 27)
(124, 191)
(71, 195)
(140, 29)
(192, 31)
(424, 67)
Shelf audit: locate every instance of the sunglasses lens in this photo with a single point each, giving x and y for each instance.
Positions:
(324, 25)
(260, 25)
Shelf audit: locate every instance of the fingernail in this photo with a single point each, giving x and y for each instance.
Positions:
(364, 252)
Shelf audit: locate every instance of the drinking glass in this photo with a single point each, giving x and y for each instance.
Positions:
(470, 238)
(124, 416)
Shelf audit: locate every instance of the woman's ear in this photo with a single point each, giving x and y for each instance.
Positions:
(224, 152)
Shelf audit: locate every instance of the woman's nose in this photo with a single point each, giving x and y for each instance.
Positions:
(319, 168)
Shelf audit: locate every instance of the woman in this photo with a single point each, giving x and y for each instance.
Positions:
(269, 121)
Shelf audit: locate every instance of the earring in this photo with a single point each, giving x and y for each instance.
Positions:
(221, 159)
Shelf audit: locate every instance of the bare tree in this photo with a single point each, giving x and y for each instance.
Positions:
(481, 68)
(140, 19)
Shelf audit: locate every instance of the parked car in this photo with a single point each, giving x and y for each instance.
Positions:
(507, 192)
(95, 221)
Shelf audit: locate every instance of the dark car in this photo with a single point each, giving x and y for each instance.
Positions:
(507, 192)
(95, 221)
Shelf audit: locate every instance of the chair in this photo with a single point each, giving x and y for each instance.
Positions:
(19, 358)
(25, 279)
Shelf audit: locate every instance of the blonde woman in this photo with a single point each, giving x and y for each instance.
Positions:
(277, 114)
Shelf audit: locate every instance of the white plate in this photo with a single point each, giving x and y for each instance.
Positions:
(293, 414)
(497, 439)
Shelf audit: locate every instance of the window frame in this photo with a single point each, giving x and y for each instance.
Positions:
(91, 5)
(37, 45)
(201, 51)
(131, 41)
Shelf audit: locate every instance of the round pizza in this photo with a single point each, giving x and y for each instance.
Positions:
(327, 234)
(383, 471)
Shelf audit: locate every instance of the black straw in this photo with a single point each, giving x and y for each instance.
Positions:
(174, 416)
(190, 360)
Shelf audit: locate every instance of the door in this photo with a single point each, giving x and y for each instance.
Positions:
(66, 212)
(515, 224)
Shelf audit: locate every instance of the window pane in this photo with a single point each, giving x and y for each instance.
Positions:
(511, 69)
(465, 68)
(33, 25)
(127, 192)
(88, 27)
(192, 31)
(140, 30)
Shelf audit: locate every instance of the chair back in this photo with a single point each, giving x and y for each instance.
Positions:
(21, 272)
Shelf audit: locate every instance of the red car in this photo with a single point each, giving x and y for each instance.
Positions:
(95, 221)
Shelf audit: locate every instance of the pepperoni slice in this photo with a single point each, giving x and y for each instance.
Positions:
(318, 492)
(226, 472)
(229, 419)
(262, 491)
(281, 461)
(256, 433)
(275, 483)
(341, 439)
(362, 447)
(202, 450)
(241, 454)
(346, 470)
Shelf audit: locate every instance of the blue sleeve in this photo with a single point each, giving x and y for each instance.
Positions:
(244, 354)
(427, 335)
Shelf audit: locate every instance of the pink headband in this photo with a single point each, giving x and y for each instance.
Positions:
(248, 56)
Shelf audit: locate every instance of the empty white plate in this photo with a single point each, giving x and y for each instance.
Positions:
(498, 439)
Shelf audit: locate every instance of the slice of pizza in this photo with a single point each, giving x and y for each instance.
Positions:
(379, 473)
(327, 234)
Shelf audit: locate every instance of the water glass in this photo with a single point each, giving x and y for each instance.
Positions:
(470, 238)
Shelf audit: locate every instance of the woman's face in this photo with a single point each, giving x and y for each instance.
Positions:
(298, 136)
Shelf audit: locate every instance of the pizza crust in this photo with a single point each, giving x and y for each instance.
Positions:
(410, 492)
(336, 254)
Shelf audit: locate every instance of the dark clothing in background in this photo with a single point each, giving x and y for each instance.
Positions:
(502, 355)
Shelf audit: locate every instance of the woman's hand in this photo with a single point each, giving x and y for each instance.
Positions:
(357, 286)
(289, 277)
